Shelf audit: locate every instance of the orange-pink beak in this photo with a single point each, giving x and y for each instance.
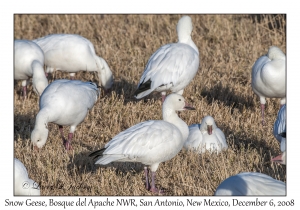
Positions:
(209, 129)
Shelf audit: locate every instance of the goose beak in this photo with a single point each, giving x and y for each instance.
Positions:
(277, 159)
(188, 107)
(209, 129)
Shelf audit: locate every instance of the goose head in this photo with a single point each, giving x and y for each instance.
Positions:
(275, 53)
(106, 76)
(176, 102)
(39, 137)
(208, 125)
(184, 28)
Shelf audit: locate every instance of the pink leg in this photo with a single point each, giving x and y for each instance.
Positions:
(153, 188)
(46, 74)
(147, 179)
(67, 144)
(163, 97)
(62, 133)
(72, 77)
(262, 113)
(24, 90)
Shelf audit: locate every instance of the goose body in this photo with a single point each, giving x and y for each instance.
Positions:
(66, 103)
(269, 77)
(150, 142)
(172, 66)
(29, 63)
(251, 183)
(24, 185)
(206, 136)
(73, 53)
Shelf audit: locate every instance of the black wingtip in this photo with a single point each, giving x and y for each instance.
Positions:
(283, 134)
(143, 87)
(98, 153)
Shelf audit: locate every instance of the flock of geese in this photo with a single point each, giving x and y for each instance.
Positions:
(171, 68)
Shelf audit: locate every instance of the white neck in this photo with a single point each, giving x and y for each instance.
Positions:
(41, 120)
(170, 116)
(188, 40)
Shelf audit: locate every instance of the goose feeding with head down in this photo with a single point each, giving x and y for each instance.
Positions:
(251, 183)
(150, 142)
(73, 53)
(66, 103)
(280, 123)
(24, 185)
(268, 77)
(172, 66)
(206, 136)
(29, 63)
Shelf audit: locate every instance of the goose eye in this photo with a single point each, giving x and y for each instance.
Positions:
(38, 140)
(180, 99)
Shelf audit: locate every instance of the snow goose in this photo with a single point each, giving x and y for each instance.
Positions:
(268, 77)
(66, 103)
(173, 66)
(150, 142)
(29, 62)
(251, 183)
(280, 123)
(206, 136)
(73, 53)
(24, 185)
(282, 157)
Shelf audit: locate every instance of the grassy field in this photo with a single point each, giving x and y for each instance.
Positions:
(228, 45)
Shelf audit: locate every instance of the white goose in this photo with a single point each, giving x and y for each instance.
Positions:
(66, 103)
(251, 183)
(29, 62)
(206, 136)
(268, 77)
(173, 66)
(150, 142)
(24, 185)
(73, 53)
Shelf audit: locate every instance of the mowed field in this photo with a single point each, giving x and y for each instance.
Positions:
(228, 45)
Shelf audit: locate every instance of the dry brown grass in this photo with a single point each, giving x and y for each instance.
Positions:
(228, 46)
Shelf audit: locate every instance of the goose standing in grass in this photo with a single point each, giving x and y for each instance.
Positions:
(24, 185)
(150, 142)
(173, 66)
(251, 183)
(66, 103)
(29, 63)
(73, 53)
(206, 136)
(268, 77)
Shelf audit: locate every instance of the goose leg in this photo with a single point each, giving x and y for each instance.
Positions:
(72, 76)
(263, 113)
(24, 90)
(163, 96)
(147, 179)
(153, 188)
(67, 144)
(62, 133)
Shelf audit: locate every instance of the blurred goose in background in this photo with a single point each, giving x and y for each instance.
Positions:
(29, 63)
(251, 183)
(173, 66)
(280, 123)
(150, 142)
(24, 185)
(206, 136)
(282, 157)
(73, 53)
(66, 103)
(268, 77)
